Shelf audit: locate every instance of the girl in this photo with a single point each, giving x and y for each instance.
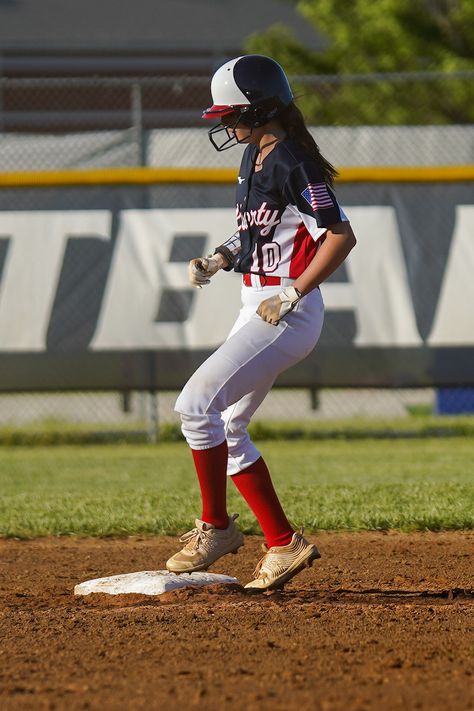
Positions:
(291, 236)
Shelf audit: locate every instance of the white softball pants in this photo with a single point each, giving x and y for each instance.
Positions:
(219, 399)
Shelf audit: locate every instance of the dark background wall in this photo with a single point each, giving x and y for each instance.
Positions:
(134, 37)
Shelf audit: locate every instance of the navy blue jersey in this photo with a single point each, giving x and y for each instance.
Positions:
(283, 212)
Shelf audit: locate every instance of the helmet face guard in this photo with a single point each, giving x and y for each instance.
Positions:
(250, 91)
(231, 138)
(228, 128)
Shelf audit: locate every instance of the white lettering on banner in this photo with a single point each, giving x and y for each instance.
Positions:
(378, 292)
(33, 265)
(454, 318)
(140, 271)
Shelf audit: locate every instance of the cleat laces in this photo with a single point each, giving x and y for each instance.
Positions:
(193, 539)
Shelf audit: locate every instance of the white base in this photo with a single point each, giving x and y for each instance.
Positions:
(150, 582)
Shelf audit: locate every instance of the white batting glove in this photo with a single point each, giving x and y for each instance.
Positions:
(201, 270)
(274, 308)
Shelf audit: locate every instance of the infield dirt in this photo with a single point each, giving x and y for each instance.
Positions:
(382, 621)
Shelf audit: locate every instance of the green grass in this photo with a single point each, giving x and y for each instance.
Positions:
(406, 484)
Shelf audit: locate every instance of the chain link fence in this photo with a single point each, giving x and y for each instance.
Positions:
(143, 415)
(59, 124)
(53, 123)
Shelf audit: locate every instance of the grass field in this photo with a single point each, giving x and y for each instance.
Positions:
(332, 484)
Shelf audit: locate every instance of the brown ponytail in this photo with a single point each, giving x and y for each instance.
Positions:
(293, 122)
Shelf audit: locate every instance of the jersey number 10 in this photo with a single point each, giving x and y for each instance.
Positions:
(266, 257)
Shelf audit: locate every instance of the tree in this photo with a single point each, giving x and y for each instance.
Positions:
(382, 36)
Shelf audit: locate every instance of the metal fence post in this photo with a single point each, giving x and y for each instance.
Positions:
(152, 434)
(314, 397)
(2, 90)
(137, 122)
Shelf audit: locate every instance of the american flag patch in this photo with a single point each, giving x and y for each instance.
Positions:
(316, 195)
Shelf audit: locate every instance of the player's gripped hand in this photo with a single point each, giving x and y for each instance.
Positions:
(201, 270)
(273, 309)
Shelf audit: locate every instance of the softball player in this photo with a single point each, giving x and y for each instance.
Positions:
(291, 235)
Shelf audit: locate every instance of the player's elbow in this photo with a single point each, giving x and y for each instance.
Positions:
(350, 236)
(352, 241)
(344, 230)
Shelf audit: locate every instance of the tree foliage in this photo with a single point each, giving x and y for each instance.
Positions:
(383, 36)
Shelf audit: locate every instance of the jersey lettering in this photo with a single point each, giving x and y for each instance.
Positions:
(263, 216)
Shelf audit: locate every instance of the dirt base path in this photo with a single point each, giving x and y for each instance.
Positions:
(382, 622)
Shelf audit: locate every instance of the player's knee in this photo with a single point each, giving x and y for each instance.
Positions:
(201, 425)
(190, 401)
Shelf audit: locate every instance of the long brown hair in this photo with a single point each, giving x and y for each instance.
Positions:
(294, 124)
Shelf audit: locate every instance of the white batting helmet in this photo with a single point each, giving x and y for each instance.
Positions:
(252, 87)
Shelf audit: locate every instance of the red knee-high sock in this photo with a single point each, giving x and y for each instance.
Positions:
(211, 468)
(255, 485)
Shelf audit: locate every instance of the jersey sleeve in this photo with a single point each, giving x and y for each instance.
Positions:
(306, 190)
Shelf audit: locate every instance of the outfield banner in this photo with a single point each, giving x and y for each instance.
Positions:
(98, 297)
